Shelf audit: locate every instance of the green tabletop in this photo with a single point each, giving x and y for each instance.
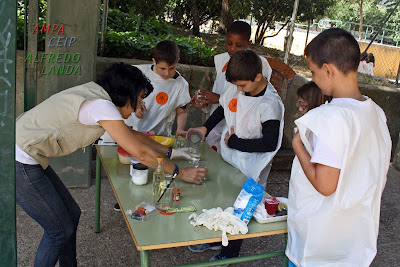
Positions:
(163, 231)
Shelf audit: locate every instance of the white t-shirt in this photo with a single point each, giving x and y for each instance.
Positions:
(322, 153)
(90, 112)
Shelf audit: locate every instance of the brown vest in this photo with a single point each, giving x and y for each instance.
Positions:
(52, 128)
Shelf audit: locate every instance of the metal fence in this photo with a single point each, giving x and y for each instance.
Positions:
(273, 23)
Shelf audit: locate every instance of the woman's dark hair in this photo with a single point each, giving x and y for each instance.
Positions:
(311, 93)
(124, 82)
(244, 65)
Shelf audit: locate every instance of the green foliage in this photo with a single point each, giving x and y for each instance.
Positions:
(374, 13)
(131, 36)
(310, 9)
(267, 12)
(182, 12)
(143, 8)
(347, 10)
(20, 24)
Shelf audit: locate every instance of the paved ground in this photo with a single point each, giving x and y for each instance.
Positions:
(114, 245)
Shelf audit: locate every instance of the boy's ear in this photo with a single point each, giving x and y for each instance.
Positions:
(154, 61)
(258, 77)
(249, 43)
(328, 70)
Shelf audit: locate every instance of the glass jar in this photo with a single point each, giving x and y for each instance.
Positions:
(139, 173)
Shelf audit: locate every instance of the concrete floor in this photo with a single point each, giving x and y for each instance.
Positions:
(113, 246)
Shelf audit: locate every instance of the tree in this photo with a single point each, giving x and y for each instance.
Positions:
(193, 13)
(360, 29)
(225, 18)
(144, 8)
(267, 16)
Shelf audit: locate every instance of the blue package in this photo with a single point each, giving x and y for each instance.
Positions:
(248, 199)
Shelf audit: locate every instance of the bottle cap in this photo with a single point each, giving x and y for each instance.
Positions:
(160, 159)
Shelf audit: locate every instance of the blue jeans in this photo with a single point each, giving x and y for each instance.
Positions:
(44, 197)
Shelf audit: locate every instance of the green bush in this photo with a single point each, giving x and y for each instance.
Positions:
(130, 36)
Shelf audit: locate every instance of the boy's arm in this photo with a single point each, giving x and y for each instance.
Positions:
(217, 116)
(267, 143)
(322, 177)
(181, 118)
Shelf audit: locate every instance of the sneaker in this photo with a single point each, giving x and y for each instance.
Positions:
(116, 207)
(219, 257)
(204, 247)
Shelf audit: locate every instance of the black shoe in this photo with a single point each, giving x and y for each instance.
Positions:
(116, 207)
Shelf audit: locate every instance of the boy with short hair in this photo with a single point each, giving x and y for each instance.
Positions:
(254, 126)
(342, 158)
(237, 38)
(170, 96)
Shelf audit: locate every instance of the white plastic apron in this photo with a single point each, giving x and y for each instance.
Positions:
(342, 229)
(161, 103)
(250, 113)
(221, 85)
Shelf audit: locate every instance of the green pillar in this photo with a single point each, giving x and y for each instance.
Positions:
(71, 47)
(8, 243)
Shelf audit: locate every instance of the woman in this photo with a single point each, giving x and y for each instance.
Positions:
(65, 122)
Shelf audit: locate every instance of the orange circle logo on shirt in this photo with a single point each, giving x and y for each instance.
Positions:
(225, 67)
(233, 104)
(162, 98)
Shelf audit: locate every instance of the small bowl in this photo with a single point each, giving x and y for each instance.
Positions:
(124, 157)
(165, 141)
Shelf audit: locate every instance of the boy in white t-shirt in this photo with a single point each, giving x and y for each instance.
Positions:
(170, 96)
(237, 38)
(342, 158)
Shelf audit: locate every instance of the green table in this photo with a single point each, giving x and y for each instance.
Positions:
(165, 231)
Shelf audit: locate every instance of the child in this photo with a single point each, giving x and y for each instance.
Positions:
(370, 64)
(310, 96)
(65, 122)
(170, 95)
(362, 66)
(254, 126)
(237, 38)
(342, 158)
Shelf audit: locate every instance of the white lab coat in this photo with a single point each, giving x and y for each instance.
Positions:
(341, 229)
(247, 122)
(160, 118)
(221, 85)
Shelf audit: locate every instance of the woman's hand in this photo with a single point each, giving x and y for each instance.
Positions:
(193, 175)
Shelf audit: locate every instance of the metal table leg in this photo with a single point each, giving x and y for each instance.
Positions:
(144, 258)
(98, 189)
(285, 260)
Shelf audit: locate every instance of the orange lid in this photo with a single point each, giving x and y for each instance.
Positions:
(160, 159)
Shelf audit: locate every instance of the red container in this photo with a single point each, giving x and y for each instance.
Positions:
(271, 204)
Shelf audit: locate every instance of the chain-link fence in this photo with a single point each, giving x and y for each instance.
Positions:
(271, 21)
